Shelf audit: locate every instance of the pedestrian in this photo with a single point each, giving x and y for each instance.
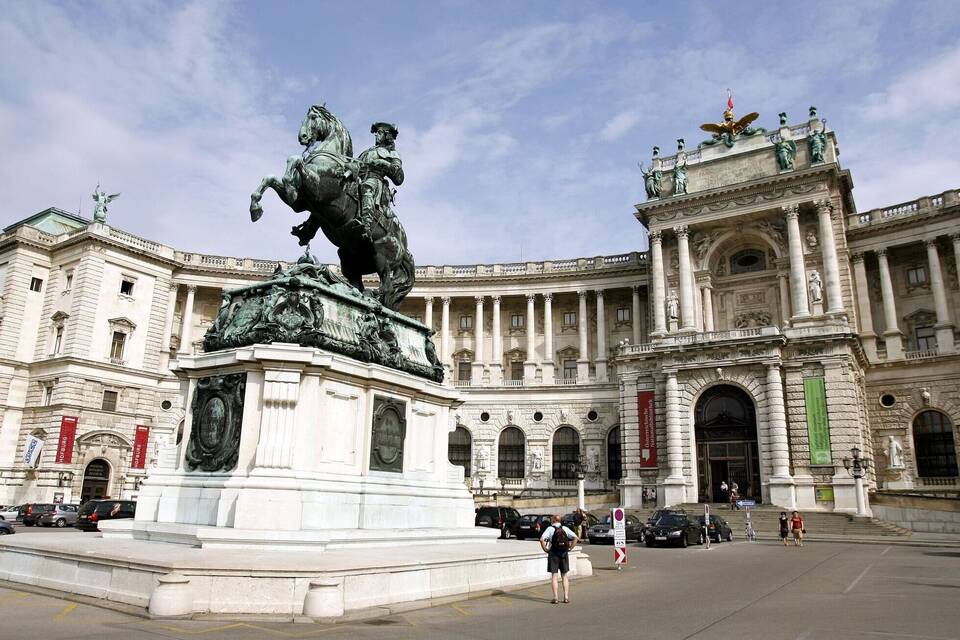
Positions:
(724, 491)
(733, 497)
(796, 524)
(557, 541)
(784, 527)
(579, 519)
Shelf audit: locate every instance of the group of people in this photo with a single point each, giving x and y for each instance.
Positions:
(792, 525)
(730, 493)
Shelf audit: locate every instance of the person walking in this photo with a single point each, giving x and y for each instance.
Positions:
(784, 527)
(734, 496)
(579, 518)
(724, 491)
(796, 525)
(557, 541)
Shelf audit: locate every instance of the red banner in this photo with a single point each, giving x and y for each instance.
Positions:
(68, 433)
(648, 429)
(140, 447)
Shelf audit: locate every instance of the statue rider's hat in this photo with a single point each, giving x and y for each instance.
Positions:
(392, 128)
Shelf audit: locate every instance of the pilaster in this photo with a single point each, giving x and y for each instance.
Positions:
(659, 288)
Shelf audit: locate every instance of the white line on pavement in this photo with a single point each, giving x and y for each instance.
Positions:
(859, 578)
(885, 551)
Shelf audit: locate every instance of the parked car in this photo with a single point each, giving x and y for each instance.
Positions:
(675, 529)
(34, 510)
(6, 528)
(95, 511)
(502, 518)
(10, 514)
(531, 526)
(61, 516)
(659, 513)
(719, 530)
(568, 521)
(603, 530)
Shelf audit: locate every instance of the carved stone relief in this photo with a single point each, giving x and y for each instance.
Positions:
(214, 443)
(388, 432)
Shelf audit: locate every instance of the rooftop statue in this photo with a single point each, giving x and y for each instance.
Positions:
(728, 131)
(349, 199)
(102, 200)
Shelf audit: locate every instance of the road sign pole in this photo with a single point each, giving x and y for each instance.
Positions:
(706, 525)
(618, 520)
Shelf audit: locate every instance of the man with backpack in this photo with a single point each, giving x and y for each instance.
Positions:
(557, 541)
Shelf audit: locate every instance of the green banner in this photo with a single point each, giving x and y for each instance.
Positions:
(818, 425)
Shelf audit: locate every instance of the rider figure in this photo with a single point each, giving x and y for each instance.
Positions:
(379, 163)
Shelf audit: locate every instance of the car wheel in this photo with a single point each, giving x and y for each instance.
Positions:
(730, 536)
(61, 523)
(505, 533)
(703, 539)
(683, 541)
(3, 532)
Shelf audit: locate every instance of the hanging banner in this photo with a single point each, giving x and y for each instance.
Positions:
(68, 433)
(648, 429)
(818, 425)
(140, 442)
(31, 452)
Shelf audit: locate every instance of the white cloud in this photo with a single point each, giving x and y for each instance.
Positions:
(620, 124)
(930, 88)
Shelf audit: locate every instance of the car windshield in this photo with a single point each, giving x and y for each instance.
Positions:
(671, 520)
(605, 520)
(527, 519)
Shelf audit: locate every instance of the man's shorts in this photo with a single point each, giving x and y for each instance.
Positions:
(557, 562)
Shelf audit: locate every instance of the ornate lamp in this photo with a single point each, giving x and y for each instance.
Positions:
(64, 478)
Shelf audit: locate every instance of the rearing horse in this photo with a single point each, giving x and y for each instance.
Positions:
(325, 181)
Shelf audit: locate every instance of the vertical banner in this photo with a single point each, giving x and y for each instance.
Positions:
(648, 429)
(31, 452)
(140, 441)
(818, 426)
(68, 433)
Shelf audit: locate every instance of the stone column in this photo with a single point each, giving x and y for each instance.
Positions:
(496, 358)
(168, 327)
(891, 334)
(782, 491)
(798, 272)
(955, 238)
(867, 337)
(601, 360)
(674, 485)
(944, 327)
(635, 315)
(687, 320)
(530, 365)
(831, 265)
(583, 362)
(659, 291)
(548, 354)
(707, 293)
(784, 281)
(186, 326)
(445, 335)
(428, 312)
(478, 361)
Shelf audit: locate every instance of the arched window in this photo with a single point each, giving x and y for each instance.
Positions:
(459, 450)
(933, 445)
(566, 453)
(748, 260)
(511, 453)
(614, 462)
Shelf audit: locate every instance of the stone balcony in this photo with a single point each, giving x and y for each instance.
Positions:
(920, 206)
(700, 339)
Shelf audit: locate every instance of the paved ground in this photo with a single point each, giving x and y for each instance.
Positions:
(824, 591)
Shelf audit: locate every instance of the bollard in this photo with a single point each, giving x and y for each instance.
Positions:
(172, 597)
(324, 598)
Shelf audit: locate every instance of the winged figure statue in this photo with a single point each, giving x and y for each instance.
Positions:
(730, 129)
(102, 200)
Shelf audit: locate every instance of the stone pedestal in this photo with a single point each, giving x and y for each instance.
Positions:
(782, 492)
(845, 494)
(672, 491)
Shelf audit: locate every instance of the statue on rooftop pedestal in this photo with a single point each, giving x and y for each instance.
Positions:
(786, 152)
(817, 142)
(728, 131)
(102, 200)
(349, 200)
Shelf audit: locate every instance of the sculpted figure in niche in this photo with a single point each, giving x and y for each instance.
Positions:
(538, 460)
(673, 305)
(483, 458)
(816, 287)
(811, 239)
(894, 454)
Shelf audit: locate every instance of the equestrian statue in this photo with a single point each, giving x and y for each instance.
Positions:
(349, 199)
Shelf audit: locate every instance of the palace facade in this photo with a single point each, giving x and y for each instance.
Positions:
(770, 330)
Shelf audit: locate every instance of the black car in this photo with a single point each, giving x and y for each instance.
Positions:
(602, 532)
(33, 511)
(6, 528)
(719, 529)
(675, 529)
(531, 526)
(93, 512)
(659, 513)
(502, 518)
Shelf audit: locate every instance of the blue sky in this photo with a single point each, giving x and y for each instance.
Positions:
(521, 123)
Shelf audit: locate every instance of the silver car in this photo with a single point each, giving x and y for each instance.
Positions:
(62, 515)
(10, 513)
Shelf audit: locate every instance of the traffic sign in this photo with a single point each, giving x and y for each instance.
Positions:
(620, 555)
(618, 519)
(746, 503)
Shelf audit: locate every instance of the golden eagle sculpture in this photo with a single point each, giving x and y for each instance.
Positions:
(730, 129)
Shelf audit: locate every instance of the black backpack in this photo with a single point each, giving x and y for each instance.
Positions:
(559, 543)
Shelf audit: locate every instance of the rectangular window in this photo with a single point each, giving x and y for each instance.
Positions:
(916, 276)
(464, 369)
(569, 318)
(116, 346)
(516, 321)
(57, 341)
(36, 284)
(623, 314)
(466, 322)
(109, 401)
(47, 395)
(516, 370)
(126, 287)
(569, 369)
(926, 339)
(68, 280)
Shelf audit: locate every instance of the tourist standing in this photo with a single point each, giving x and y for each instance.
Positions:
(796, 525)
(557, 541)
(734, 496)
(724, 491)
(784, 527)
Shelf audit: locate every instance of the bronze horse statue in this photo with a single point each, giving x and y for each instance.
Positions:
(325, 181)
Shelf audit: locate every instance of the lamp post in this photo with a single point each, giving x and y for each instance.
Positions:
(857, 466)
(64, 478)
(577, 469)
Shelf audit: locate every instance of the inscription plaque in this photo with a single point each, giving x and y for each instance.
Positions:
(214, 443)
(388, 433)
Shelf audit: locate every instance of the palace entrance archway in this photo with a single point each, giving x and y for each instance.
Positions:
(725, 426)
(96, 479)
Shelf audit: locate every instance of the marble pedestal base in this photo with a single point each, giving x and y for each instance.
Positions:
(782, 492)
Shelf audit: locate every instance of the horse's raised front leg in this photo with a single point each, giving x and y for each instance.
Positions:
(272, 182)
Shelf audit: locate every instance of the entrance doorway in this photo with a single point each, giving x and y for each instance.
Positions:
(725, 424)
(96, 480)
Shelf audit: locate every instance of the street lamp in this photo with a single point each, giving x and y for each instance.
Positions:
(64, 478)
(577, 469)
(857, 467)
